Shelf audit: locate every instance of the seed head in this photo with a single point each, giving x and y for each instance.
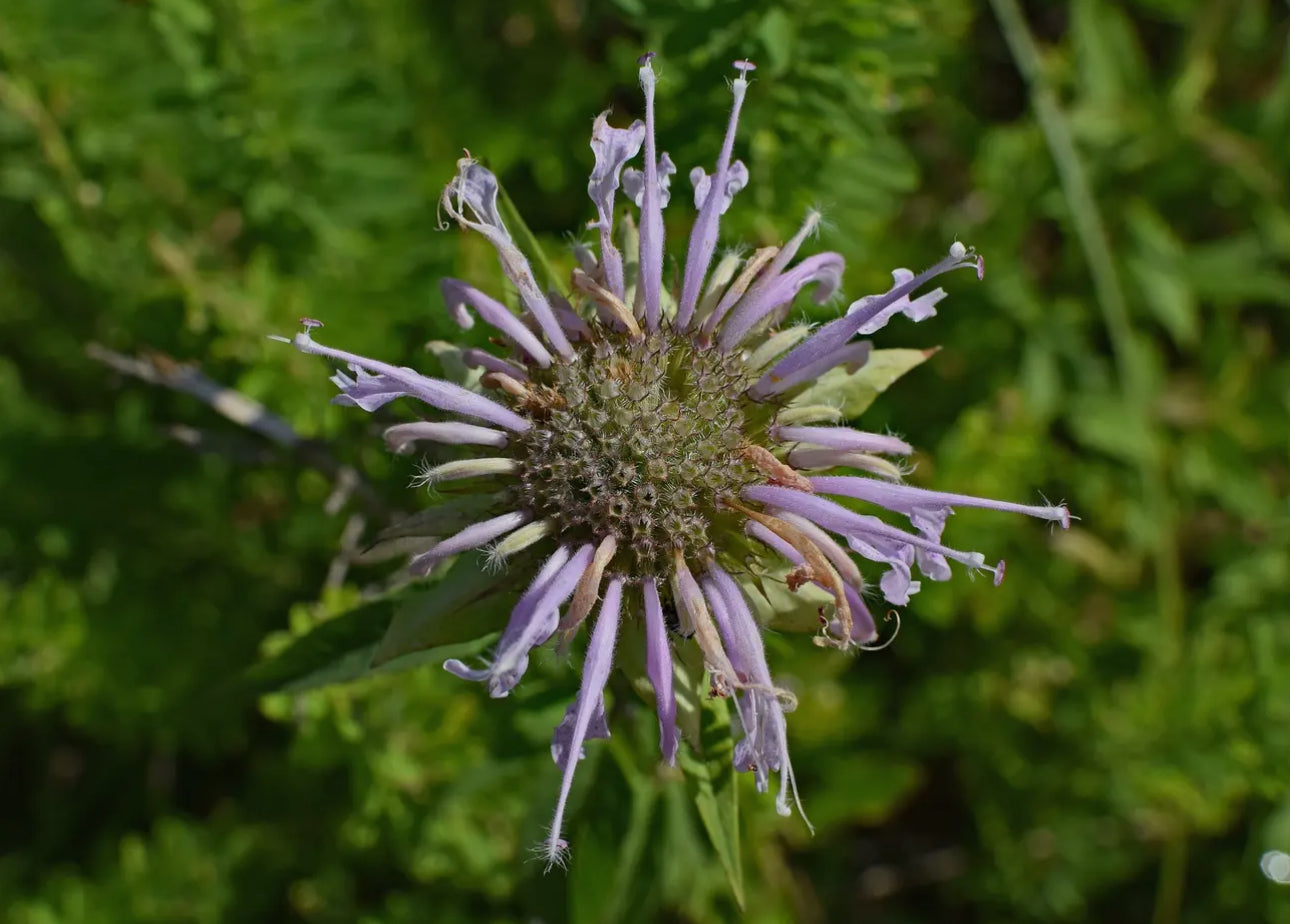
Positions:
(663, 447)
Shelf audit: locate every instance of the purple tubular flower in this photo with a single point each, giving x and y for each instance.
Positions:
(573, 325)
(832, 336)
(474, 193)
(777, 286)
(459, 296)
(851, 355)
(595, 674)
(482, 359)
(532, 622)
(844, 438)
(905, 499)
(823, 270)
(658, 665)
(562, 738)
(613, 147)
(400, 437)
(712, 197)
(472, 537)
(917, 309)
(868, 535)
(521, 633)
(379, 383)
(651, 204)
(644, 447)
(764, 746)
(928, 511)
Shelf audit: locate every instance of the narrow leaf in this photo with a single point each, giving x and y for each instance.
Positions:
(453, 617)
(710, 777)
(465, 603)
(333, 641)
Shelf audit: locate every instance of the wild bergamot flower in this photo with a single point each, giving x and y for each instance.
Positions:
(653, 444)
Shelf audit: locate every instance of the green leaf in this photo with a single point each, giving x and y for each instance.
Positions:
(606, 881)
(455, 616)
(861, 789)
(445, 517)
(359, 663)
(335, 642)
(853, 392)
(710, 776)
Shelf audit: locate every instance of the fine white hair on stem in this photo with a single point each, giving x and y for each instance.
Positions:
(551, 852)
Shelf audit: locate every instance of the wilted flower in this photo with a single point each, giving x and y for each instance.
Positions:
(658, 446)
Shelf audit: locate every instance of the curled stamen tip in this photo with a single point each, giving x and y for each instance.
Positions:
(999, 569)
(646, 58)
(310, 323)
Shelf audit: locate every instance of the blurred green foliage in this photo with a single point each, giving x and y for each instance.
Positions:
(1104, 737)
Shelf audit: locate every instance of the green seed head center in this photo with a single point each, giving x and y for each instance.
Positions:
(639, 440)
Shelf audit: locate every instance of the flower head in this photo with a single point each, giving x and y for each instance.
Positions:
(654, 447)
